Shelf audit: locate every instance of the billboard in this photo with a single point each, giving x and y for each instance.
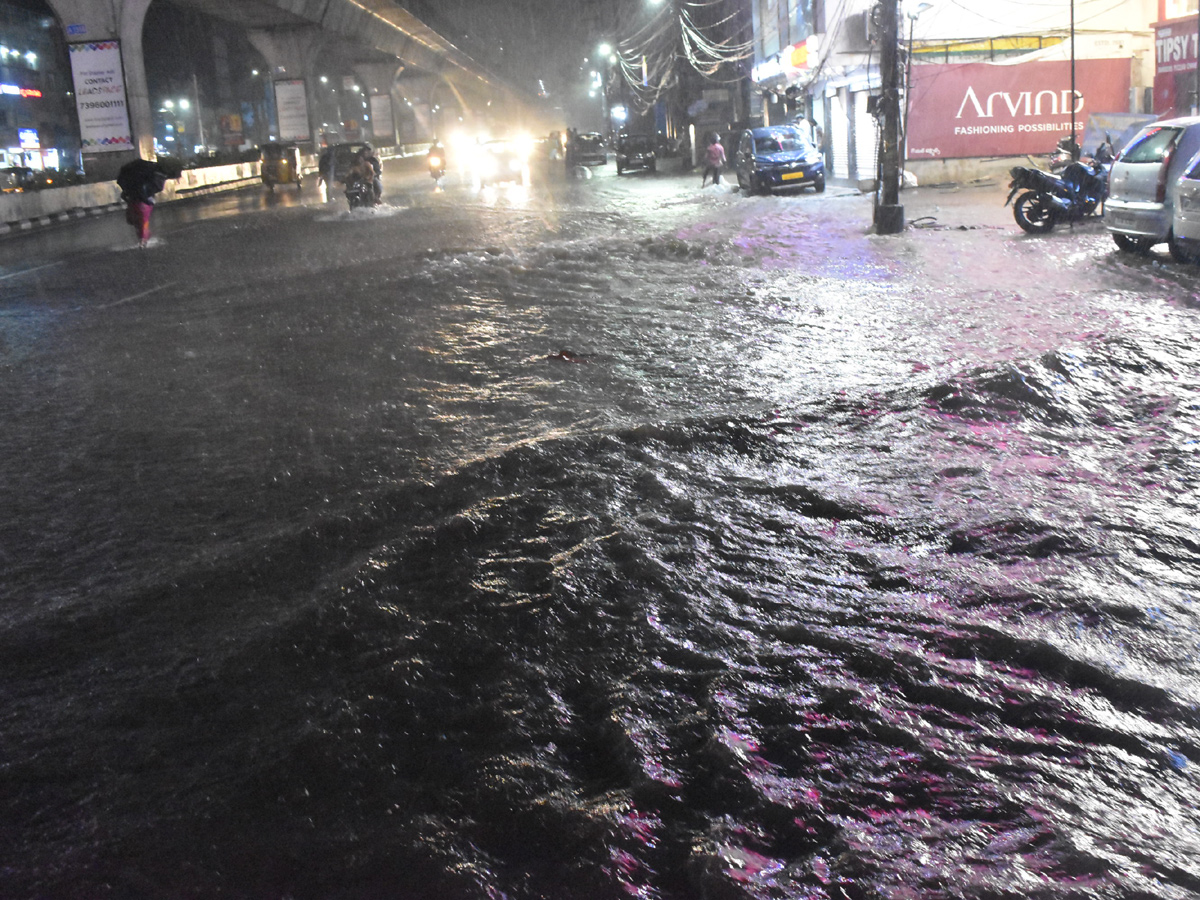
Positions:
(100, 96)
(291, 105)
(984, 109)
(382, 125)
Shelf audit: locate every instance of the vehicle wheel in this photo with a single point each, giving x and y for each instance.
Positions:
(819, 184)
(1178, 251)
(1131, 244)
(1033, 214)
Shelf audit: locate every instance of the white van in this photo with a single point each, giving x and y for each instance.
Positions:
(1143, 184)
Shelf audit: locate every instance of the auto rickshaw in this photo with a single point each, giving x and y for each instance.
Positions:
(280, 165)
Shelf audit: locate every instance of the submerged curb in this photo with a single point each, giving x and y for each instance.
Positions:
(22, 226)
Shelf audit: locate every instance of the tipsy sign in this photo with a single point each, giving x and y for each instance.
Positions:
(984, 109)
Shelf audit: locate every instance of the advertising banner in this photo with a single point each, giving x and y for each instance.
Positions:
(382, 125)
(100, 96)
(1175, 47)
(984, 109)
(291, 105)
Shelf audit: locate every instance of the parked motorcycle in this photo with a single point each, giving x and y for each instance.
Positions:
(360, 193)
(1048, 199)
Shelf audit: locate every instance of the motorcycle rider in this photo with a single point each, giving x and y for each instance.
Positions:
(437, 161)
(368, 154)
(363, 171)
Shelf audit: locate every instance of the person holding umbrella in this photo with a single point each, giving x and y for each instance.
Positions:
(139, 181)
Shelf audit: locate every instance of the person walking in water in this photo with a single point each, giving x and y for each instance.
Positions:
(139, 180)
(714, 158)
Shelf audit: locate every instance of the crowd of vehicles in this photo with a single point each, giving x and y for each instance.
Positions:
(1147, 194)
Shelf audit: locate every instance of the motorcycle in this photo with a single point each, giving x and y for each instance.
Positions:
(1050, 199)
(360, 193)
(437, 165)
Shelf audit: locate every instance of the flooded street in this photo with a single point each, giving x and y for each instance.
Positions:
(597, 539)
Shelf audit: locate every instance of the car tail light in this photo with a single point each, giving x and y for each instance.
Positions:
(1160, 192)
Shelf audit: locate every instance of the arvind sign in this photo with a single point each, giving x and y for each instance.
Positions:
(983, 109)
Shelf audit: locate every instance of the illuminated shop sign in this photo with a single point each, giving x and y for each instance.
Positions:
(18, 91)
(789, 61)
(28, 138)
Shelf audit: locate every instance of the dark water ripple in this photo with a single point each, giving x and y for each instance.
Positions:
(928, 637)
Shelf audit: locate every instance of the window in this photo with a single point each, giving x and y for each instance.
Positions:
(1152, 145)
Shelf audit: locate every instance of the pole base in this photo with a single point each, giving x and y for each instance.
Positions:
(889, 218)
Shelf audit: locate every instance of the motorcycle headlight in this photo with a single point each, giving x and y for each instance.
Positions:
(435, 162)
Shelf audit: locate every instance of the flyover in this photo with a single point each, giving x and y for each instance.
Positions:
(380, 38)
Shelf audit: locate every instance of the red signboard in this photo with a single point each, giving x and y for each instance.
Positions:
(1175, 47)
(985, 109)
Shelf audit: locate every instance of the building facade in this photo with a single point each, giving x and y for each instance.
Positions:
(975, 94)
(1176, 35)
(38, 127)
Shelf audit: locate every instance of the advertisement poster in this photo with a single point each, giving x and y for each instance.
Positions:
(100, 96)
(291, 105)
(382, 125)
(984, 109)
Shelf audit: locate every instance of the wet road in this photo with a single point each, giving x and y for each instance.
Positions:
(597, 539)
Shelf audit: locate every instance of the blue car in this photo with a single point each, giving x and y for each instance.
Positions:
(777, 157)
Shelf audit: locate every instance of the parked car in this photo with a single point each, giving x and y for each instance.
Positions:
(588, 150)
(1185, 219)
(1144, 183)
(636, 151)
(16, 179)
(776, 157)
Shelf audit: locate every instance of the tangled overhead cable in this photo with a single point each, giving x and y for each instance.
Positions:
(704, 35)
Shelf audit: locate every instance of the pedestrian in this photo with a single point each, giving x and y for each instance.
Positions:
(325, 170)
(714, 158)
(140, 180)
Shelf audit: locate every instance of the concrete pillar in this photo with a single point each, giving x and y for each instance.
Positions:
(380, 81)
(122, 20)
(292, 53)
(415, 101)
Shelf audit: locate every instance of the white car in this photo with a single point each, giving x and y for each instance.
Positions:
(1143, 183)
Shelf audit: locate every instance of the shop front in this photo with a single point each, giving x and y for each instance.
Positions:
(1175, 82)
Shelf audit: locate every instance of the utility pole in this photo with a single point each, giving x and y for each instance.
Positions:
(889, 214)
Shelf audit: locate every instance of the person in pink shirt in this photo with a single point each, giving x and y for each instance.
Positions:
(714, 158)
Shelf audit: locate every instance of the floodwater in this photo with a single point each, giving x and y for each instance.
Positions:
(597, 540)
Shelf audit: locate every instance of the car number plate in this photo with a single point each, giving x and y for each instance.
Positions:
(792, 176)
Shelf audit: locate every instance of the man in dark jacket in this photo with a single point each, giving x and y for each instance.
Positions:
(139, 181)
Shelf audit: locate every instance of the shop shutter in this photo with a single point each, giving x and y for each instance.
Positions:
(866, 138)
(839, 135)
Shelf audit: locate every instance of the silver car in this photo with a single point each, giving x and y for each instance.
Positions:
(1143, 185)
(1185, 224)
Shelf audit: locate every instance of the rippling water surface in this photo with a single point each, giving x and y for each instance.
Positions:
(612, 541)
